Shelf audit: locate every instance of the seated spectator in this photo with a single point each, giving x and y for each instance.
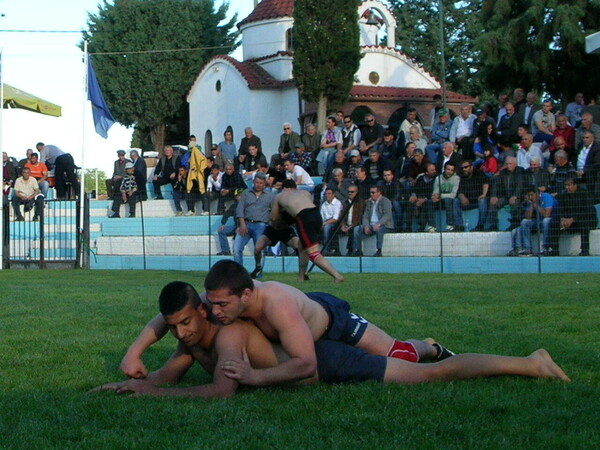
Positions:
(587, 124)
(389, 148)
(505, 150)
(527, 151)
(536, 177)
(253, 157)
(372, 135)
(543, 124)
(165, 171)
(351, 218)
(461, 131)
(228, 226)
(227, 147)
(588, 160)
(489, 167)
(375, 165)
(562, 171)
(509, 124)
(9, 174)
(331, 209)
(298, 174)
(302, 158)
(396, 193)
(540, 213)
(113, 183)
(486, 135)
(312, 143)
(249, 139)
(440, 133)
(472, 193)
(508, 188)
(565, 132)
(420, 203)
(27, 192)
(141, 173)
(417, 138)
(39, 171)
(448, 155)
(218, 157)
(341, 162)
(406, 125)
(128, 193)
(340, 185)
(574, 110)
(331, 142)
(273, 176)
(417, 165)
(350, 136)
(403, 164)
(576, 213)
(364, 183)
(180, 193)
(355, 163)
(231, 181)
(214, 182)
(377, 219)
(445, 190)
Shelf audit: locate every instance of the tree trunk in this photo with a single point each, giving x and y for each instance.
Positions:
(157, 135)
(322, 114)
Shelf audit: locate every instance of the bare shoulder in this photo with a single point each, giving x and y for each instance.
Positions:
(274, 292)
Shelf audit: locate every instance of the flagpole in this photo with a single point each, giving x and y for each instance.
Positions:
(83, 149)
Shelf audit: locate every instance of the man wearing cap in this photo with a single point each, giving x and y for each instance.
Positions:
(127, 192)
(440, 133)
(301, 157)
(113, 184)
(389, 148)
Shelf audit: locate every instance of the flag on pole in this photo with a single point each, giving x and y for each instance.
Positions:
(103, 119)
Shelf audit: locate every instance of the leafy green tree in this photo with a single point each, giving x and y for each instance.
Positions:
(144, 85)
(90, 181)
(326, 51)
(418, 35)
(540, 44)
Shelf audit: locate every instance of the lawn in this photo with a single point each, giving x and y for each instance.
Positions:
(64, 332)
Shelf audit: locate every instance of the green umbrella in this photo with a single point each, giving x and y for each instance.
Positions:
(16, 98)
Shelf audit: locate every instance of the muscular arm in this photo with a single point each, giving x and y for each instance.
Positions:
(132, 365)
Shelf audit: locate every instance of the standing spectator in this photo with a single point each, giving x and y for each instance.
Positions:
(574, 110)
(445, 189)
(180, 193)
(527, 110)
(231, 181)
(287, 144)
(420, 203)
(508, 189)
(227, 227)
(127, 193)
(252, 214)
(576, 213)
(372, 135)
(350, 136)
(227, 147)
(377, 218)
(331, 142)
(440, 133)
(141, 173)
(472, 193)
(461, 131)
(165, 171)
(39, 171)
(540, 211)
(26, 192)
(331, 209)
(114, 183)
(64, 169)
(527, 151)
(351, 218)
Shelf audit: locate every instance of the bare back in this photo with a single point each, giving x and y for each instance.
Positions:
(292, 201)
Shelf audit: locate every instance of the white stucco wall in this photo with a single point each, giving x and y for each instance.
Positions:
(238, 106)
(280, 68)
(265, 37)
(393, 70)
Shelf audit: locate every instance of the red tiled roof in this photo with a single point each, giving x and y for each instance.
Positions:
(405, 94)
(272, 55)
(254, 74)
(270, 9)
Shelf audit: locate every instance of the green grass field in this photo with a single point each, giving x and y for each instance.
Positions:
(64, 332)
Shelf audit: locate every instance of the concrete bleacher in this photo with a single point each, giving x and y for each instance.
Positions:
(190, 243)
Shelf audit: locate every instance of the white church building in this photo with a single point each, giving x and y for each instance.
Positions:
(260, 92)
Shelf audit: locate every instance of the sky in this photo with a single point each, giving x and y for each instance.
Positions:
(50, 66)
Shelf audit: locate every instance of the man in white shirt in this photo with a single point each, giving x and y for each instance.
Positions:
(213, 189)
(299, 175)
(461, 131)
(330, 213)
(27, 192)
(528, 151)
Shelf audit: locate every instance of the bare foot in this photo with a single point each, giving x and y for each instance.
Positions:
(548, 368)
(339, 279)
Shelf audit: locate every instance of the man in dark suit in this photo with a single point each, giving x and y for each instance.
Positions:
(448, 155)
(527, 110)
(588, 161)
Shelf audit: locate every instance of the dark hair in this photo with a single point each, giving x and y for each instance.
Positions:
(35, 154)
(177, 295)
(388, 132)
(524, 126)
(290, 184)
(227, 274)
(215, 166)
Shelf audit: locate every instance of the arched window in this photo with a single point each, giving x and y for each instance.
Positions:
(289, 40)
(208, 140)
(396, 120)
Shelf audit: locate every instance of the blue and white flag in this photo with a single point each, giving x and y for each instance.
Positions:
(103, 119)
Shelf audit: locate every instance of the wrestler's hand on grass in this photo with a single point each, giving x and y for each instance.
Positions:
(239, 369)
(133, 367)
(139, 387)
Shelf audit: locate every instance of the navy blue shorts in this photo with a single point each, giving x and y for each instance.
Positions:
(344, 326)
(274, 235)
(341, 363)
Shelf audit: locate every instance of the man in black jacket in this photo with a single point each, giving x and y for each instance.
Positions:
(576, 213)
